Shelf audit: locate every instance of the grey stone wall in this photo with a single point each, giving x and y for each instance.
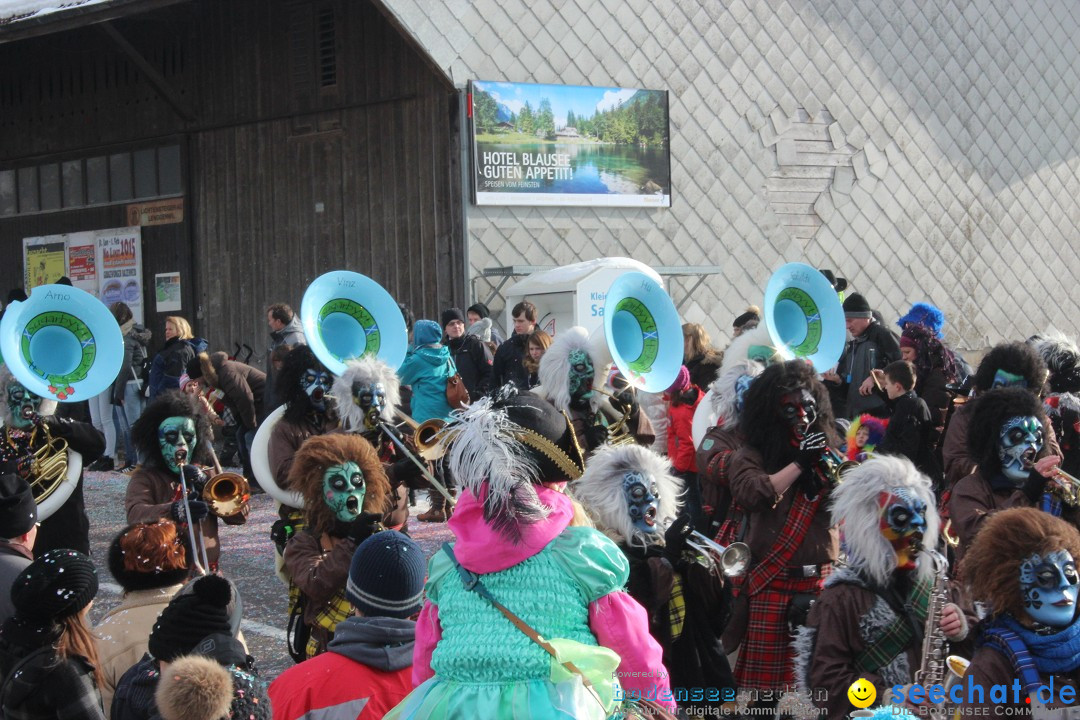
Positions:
(954, 125)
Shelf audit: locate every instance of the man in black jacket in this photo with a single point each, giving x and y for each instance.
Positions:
(508, 365)
(873, 346)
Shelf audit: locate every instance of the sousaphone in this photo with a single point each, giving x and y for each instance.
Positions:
(345, 315)
(643, 332)
(61, 344)
(804, 316)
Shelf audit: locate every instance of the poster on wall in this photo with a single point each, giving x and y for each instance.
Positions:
(43, 260)
(167, 292)
(569, 145)
(82, 261)
(119, 264)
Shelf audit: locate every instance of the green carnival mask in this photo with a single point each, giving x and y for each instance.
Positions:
(176, 435)
(343, 489)
(23, 405)
(581, 376)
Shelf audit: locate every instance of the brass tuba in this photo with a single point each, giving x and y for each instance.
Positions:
(54, 474)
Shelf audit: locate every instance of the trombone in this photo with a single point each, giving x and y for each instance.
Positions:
(425, 433)
(197, 548)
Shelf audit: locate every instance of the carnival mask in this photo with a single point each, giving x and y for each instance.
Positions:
(742, 384)
(316, 383)
(176, 436)
(641, 501)
(1050, 586)
(1019, 442)
(902, 521)
(343, 488)
(23, 405)
(1004, 379)
(371, 398)
(581, 377)
(798, 410)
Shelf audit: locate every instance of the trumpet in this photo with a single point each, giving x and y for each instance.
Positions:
(834, 466)
(1066, 487)
(732, 560)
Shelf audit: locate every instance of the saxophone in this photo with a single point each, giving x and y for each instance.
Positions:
(932, 669)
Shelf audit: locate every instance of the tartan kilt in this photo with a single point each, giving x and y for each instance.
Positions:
(766, 658)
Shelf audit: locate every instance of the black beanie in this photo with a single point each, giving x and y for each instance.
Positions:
(856, 307)
(194, 368)
(452, 314)
(18, 511)
(480, 309)
(386, 577)
(187, 619)
(57, 585)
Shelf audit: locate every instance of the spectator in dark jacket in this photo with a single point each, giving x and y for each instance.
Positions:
(873, 346)
(699, 356)
(508, 366)
(285, 330)
(910, 424)
(127, 392)
(18, 528)
(538, 343)
(243, 387)
(470, 354)
(47, 654)
(181, 346)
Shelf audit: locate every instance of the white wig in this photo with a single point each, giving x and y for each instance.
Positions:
(855, 505)
(46, 408)
(600, 491)
(368, 370)
(725, 393)
(554, 371)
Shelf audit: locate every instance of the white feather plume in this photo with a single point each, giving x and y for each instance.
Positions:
(367, 370)
(855, 504)
(554, 371)
(600, 490)
(724, 394)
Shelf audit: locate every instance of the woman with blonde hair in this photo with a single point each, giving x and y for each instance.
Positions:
(47, 655)
(699, 356)
(181, 346)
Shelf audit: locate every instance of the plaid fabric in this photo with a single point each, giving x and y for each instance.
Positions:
(766, 657)
(1009, 644)
(798, 522)
(676, 608)
(328, 618)
(1051, 504)
(894, 639)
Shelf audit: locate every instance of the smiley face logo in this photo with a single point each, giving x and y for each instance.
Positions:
(862, 693)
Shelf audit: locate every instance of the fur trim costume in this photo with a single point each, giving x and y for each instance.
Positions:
(345, 492)
(26, 418)
(859, 626)
(1022, 568)
(687, 603)
(512, 455)
(1062, 404)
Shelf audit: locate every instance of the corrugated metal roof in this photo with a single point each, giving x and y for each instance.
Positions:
(15, 11)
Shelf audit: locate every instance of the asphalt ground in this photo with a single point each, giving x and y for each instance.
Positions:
(247, 558)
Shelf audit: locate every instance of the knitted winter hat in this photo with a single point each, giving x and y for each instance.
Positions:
(480, 309)
(856, 307)
(191, 617)
(18, 511)
(250, 700)
(752, 314)
(148, 555)
(427, 332)
(682, 381)
(452, 314)
(57, 585)
(387, 576)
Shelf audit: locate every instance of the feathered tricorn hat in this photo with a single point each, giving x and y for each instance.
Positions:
(368, 370)
(600, 490)
(320, 452)
(501, 447)
(554, 371)
(855, 504)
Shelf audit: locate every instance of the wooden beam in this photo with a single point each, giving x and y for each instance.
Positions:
(160, 83)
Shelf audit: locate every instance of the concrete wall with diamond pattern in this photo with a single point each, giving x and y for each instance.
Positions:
(953, 169)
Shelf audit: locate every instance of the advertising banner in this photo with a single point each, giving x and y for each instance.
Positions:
(119, 261)
(43, 260)
(167, 292)
(569, 145)
(82, 261)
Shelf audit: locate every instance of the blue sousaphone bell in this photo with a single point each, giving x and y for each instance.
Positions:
(643, 332)
(804, 316)
(62, 343)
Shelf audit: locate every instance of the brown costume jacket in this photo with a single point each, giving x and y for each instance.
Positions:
(954, 450)
(320, 568)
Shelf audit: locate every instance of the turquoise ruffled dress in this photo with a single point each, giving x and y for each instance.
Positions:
(487, 668)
